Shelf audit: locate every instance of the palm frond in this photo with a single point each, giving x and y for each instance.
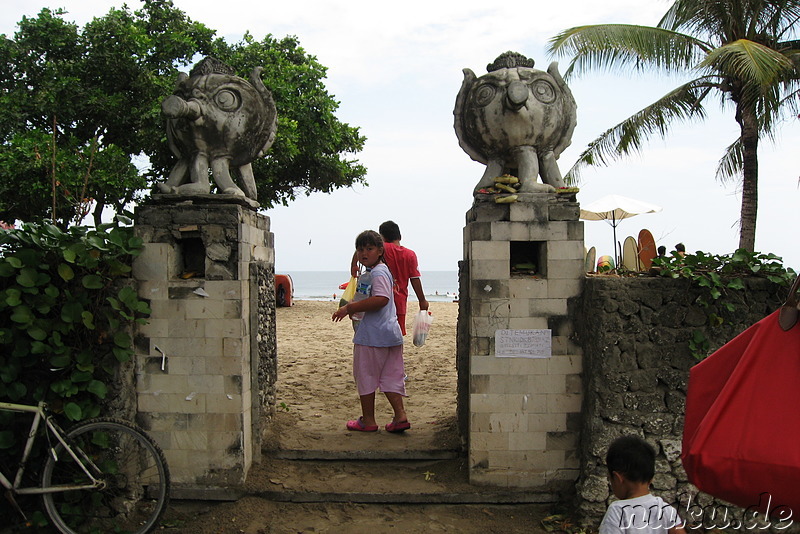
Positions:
(748, 61)
(777, 104)
(619, 47)
(703, 17)
(673, 18)
(786, 47)
(778, 17)
(730, 165)
(730, 20)
(683, 103)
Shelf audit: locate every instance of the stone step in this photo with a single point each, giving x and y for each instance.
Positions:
(371, 481)
(367, 454)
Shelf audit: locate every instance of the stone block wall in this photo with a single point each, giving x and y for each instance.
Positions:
(205, 270)
(635, 335)
(520, 416)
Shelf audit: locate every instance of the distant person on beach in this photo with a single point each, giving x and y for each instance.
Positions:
(402, 263)
(631, 467)
(378, 341)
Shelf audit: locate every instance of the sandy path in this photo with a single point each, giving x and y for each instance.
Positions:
(316, 393)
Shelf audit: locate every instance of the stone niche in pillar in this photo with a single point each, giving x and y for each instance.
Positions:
(523, 261)
(207, 270)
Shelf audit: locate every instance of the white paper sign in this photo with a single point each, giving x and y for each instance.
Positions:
(523, 343)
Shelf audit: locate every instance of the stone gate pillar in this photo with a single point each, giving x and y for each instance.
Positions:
(520, 389)
(207, 270)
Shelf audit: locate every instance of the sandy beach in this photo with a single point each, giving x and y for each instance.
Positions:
(316, 394)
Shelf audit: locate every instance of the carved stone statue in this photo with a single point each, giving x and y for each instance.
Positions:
(217, 120)
(516, 120)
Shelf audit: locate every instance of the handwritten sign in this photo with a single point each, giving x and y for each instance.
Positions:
(523, 343)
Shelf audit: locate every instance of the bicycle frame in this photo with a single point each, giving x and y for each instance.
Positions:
(40, 414)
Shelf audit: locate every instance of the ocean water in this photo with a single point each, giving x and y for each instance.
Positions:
(439, 286)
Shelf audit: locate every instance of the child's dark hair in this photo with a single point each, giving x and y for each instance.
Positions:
(632, 457)
(390, 231)
(369, 238)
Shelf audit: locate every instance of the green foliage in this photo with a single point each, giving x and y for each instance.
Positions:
(82, 174)
(744, 52)
(308, 148)
(77, 106)
(699, 344)
(64, 314)
(717, 275)
(53, 150)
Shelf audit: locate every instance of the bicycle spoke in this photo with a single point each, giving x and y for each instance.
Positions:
(133, 472)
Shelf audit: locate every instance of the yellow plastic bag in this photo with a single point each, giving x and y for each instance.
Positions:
(349, 292)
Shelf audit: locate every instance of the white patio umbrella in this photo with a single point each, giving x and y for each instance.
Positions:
(614, 208)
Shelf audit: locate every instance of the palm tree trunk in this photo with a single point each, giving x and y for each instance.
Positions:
(747, 223)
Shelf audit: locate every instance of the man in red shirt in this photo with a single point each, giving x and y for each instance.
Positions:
(402, 262)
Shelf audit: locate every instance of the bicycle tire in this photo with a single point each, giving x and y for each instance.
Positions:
(136, 476)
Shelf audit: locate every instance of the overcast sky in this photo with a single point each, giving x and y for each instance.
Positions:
(396, 69)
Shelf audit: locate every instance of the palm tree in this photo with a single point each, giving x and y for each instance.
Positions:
(743, 51)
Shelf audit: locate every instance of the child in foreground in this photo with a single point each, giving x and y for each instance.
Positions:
(378, 342)
(631, 467)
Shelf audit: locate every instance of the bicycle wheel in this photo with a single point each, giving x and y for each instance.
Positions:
(134, 472)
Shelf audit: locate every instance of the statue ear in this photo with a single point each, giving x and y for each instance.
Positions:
(458, 112)
(269, 102)
(466, 85)
(552, 70)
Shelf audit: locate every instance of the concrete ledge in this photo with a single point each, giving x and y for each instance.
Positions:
(201, 199)
(303, 454)
(204, 493)
(481, 496)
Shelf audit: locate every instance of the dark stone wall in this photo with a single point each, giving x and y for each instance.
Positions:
(266, 342)
(462, 353)
(635, 335)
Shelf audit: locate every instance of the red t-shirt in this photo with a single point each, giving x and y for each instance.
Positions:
(402, 262)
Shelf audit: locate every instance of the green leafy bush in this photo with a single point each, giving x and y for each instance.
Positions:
(65, 313)
(65, 316)
(718, 275)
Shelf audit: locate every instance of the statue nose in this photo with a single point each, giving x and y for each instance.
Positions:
(517, 95)
(175, 107)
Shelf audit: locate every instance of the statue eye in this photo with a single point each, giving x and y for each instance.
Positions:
(484, 94)
(543, 91)
(227, 100)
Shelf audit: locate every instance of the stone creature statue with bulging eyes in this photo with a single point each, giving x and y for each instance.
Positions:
(217, 120)
(516, 120)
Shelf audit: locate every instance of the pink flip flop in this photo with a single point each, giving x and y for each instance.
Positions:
(357, 425)
(402, 426)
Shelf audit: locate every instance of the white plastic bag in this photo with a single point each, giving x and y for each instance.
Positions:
(422, 325)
